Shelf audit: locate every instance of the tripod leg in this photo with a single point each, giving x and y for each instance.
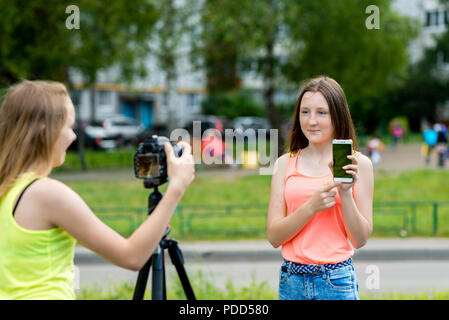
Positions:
(142, 279)
(178, 261)
(158, 282)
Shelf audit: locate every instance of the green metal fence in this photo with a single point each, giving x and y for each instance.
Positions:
(122, 219)
(227, 220)
(420, 218)
(414, 218)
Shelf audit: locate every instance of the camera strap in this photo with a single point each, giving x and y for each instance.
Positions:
(21, 194)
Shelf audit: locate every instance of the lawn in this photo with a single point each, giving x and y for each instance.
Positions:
(219, 207)
(205, 288)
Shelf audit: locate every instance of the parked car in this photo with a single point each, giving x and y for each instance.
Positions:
(206, 122)
(111, 133)
(242, 124)
(94, 139)
(159, 129)
(122, 127)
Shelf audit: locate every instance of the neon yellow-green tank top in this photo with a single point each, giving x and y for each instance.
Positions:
(34, 264)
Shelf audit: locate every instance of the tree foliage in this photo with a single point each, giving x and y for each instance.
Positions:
(36, 44)
(232, 105)
(287, 41)
(334, 40)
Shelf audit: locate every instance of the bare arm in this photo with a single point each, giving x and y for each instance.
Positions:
(67, 210)
(358, 215)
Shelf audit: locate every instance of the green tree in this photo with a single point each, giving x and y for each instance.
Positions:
(426, 85)
(219, 42)
(237, 37)
(333, 40)
(287, 41)
(35, 42)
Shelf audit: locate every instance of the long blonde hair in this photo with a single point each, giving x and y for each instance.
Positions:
(32, 116)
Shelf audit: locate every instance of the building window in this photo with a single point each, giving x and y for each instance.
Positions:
(432, 18)
(191, 100)
(105, 98)
(165, 99)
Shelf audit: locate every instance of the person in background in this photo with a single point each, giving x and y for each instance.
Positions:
(441, 147)
(430, 139)
(397, 132)
(375, 145)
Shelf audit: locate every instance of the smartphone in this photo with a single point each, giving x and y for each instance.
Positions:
(341, 149)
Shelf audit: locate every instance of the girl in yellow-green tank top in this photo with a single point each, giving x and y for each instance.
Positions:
(35, 264)
(41, 218)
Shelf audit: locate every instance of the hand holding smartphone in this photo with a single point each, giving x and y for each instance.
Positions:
(341, 149)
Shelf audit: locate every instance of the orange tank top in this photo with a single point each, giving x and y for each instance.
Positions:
(323, 239)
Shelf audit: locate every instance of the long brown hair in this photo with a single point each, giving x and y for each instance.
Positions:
(338, 108)
(32, 116)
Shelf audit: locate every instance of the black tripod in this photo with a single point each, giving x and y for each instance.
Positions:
(157, 260)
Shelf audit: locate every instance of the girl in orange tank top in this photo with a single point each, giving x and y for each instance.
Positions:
(318, 221)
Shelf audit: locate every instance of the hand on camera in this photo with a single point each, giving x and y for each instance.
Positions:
(323, 198)
(180, 171)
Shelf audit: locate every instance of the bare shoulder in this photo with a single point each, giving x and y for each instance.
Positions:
(364, 162)
(50, 185)
(282, 160)
(281, 164)
(49, 190)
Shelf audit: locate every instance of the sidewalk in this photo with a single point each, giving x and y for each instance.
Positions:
(404, 157)
(377, 249)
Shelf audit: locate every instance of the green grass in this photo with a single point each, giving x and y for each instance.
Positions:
(399, 295)
(420, 185)
(203, 285)
(387, 139)
(205, 289)
(98, 160)
(125, 203)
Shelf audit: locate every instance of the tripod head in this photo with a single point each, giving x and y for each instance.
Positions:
(153, 200)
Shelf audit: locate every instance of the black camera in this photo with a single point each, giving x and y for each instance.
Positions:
(150, 160)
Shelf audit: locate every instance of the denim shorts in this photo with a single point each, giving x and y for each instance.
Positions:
(324, 284)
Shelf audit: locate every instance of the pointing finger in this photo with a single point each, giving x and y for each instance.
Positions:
(331, 186)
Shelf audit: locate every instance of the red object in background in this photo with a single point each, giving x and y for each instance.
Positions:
(218, 125)
(215, 146)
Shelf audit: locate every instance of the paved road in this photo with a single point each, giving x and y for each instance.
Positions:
(405, 157)
(394, 276)
(409, 265)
